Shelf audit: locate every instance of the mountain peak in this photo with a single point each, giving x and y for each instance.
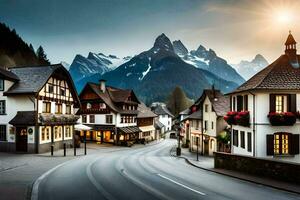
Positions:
(163, 42)
(259, 58)
(179, 48)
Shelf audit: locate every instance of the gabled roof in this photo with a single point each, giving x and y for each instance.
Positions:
(8, 75)
(280, 75)
(162, 110)
(111, 96)
(33, 78)
(145, 112)
(195, 115)
(220, 103)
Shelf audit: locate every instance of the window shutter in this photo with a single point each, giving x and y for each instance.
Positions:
(270, 145)
(230, 103)
(292, 103)
(294, 143)
(272, 103)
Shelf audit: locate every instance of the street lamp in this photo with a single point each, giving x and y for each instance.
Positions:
(178, 128)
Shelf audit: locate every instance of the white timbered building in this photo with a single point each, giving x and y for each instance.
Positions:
(37, 107)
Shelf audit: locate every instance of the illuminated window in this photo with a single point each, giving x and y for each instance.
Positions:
(279, 103)
(281, 143)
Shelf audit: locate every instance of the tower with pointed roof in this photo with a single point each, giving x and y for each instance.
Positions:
(290, 48)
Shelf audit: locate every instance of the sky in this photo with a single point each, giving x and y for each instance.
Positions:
(235, 29)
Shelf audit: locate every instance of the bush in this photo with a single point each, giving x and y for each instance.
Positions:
(282, 119)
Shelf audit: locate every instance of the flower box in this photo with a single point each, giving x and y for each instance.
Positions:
(238, 118)
(243, 118)
(282, 119)
(230, 117)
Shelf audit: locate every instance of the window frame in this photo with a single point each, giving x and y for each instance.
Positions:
(47, 107)
(3, 135)
(242, 136)
(84, 118)
(249, 141)
(3, 84)
(235, 137)
(58, 108)
(109, 119)
(68, 109)
(3, 102)
(92, 119)
(283, 141)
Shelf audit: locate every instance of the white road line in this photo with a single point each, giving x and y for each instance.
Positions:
(186, 187)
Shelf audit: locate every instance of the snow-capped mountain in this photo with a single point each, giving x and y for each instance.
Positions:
(154, 73)
(248, 68)
(83, 67)
(207, 60)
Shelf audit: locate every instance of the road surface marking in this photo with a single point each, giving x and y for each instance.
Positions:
(186, 187)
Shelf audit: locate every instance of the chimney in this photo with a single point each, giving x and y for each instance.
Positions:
(102, 85)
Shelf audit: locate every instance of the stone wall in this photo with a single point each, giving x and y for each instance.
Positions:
(283, 171)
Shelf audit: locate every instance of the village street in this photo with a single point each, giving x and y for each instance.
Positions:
(144, 173)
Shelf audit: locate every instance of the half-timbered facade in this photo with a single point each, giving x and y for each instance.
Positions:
(265, 110)
(110, 112)
(39, 109)
(145, 122)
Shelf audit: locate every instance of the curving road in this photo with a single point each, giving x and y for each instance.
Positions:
(146, 174)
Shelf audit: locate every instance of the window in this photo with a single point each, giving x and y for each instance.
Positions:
(2, 108)
(68, 109)
(92, 118)
(249, 142)
(233, 103)
(1, 85)
(50, 88)
(279, 103)
(281, 143)
(45, 135)
(2, 132)
(46, 107)
(212, 125)
(235, 138)
(206, 108)
(62, 92)
(58, 108)
(239, 103)
(242, 139)
(205, 125)
(83, 118)
(246, 102)
(68, 132)
(109, 119)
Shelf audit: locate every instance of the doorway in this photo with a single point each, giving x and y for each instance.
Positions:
(21, 139)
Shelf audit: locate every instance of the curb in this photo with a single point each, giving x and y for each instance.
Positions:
(236, 177)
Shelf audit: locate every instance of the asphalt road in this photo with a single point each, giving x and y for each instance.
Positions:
(146, 174)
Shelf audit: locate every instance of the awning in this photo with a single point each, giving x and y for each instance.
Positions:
(82, 127)
(96, 127)
(147, 128)
(129, 129)
(26, 118)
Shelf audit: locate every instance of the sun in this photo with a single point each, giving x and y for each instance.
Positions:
(284, 17)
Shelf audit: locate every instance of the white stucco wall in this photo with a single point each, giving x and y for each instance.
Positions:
(166, 120)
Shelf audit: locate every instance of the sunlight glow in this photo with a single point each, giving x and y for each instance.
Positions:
(284, 17)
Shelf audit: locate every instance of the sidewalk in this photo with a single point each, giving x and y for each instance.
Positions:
(207, 163)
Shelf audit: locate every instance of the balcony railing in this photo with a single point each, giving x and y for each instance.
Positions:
(95, 111)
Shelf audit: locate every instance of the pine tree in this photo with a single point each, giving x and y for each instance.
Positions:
(31, 47)
(42, 57)
(178, 101)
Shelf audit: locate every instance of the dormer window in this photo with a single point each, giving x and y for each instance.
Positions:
(1, 85)
(88, 106)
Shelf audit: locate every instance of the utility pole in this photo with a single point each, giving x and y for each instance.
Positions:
(177, 128)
